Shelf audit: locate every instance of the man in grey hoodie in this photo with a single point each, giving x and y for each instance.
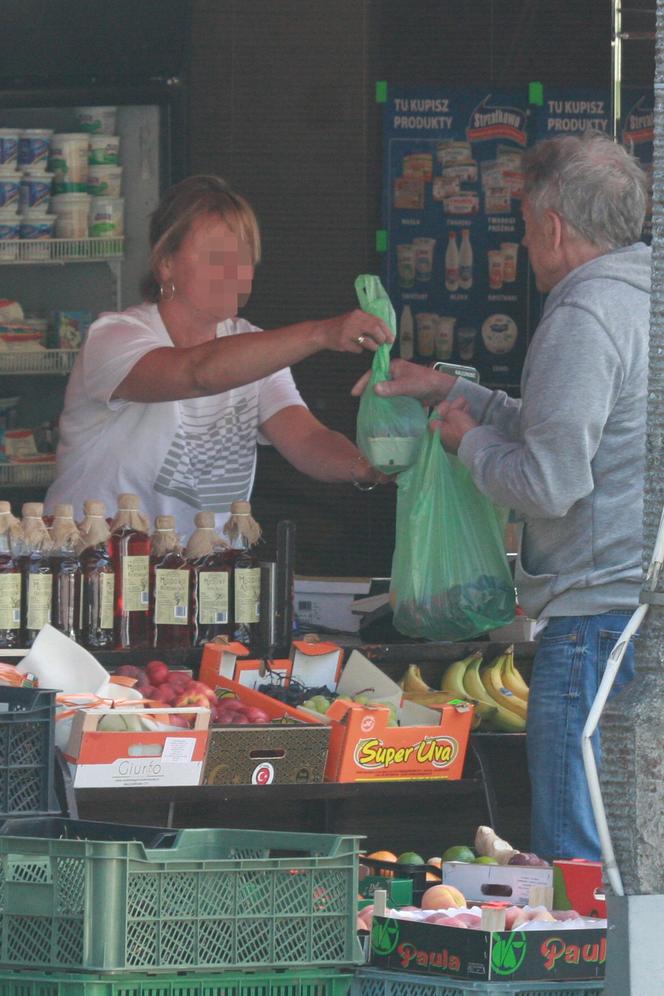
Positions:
(569, 456)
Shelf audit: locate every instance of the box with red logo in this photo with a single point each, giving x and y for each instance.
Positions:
(577, 885)
(552, 954)
(148, 751)
(291, 748)
(364, 746)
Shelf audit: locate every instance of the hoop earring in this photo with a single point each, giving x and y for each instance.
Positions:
(167, 291)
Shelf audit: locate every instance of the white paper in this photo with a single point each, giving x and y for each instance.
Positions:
(178, 750)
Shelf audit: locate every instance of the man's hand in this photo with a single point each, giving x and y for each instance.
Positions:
(453, 422)
(412, 380)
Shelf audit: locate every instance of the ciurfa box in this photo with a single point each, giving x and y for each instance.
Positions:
(139, 757)
(548, 955)
(427, 744)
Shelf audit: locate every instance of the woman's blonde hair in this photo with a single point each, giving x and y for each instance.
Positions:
(178, 210)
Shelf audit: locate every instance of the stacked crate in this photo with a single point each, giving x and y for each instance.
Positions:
(196, 912)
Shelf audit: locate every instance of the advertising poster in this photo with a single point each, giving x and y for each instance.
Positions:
(457, 273)
(638, 134)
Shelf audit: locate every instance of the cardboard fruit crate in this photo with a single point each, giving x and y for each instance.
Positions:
(215, 900)
(304, 983)
(293, 750)
(27, 727)
(372, 982)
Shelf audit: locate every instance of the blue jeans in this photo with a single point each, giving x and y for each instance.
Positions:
(567, 670)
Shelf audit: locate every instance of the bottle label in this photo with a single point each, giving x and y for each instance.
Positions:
(135, 584)
(247, 594)
(106, 599)
(10, 601)
(40, 587)
(212, 598)
(171, 597)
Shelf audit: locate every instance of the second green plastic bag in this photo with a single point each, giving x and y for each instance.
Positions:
(450, 576)
(388, 429)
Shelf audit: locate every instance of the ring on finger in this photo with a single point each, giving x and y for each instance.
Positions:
(360, 339)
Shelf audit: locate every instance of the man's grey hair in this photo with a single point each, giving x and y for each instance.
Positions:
(593, 183)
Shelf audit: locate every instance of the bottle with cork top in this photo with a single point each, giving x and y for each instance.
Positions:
(130, 547)
(65, 601)
(97, 579)
(244, 533)
(170, 587)
(10, 578)
(212, 562)
(36, 572)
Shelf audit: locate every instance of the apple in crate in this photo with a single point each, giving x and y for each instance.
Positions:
(157, 672)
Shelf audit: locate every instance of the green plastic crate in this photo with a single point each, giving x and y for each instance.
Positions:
(317, 983)
(373, 982)
(215, 900)
(27, 772)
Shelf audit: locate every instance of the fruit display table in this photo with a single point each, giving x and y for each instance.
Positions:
(415, 815)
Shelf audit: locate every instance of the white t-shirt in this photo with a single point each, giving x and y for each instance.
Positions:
(177, 456)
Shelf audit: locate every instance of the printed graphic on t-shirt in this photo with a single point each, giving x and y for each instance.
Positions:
(210, 461)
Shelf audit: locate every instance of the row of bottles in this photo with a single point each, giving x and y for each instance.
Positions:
(115, 586)
(459, 262)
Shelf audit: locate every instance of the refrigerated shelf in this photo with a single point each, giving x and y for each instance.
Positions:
(45, 361)
(42, 251)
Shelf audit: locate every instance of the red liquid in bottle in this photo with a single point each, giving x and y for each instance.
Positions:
(130, 550)
(10, 595)
(170, 587)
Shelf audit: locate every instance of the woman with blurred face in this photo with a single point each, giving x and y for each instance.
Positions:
(168, 399)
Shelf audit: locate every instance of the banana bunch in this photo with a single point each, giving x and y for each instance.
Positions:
(415, 689)
(498, 689)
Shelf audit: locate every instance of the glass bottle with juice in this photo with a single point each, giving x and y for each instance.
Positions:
(10, 578)
(170, 587)
(244, 533)
(97, 579)
(130, 547)
(36, 572)
(65, 601)
(212, 562)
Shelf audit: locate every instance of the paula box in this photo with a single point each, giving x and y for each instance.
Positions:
(482, 883)
(137, 757)
(538, 955)
(365, 746)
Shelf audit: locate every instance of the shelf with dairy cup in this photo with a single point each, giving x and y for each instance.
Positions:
(27, 475)
(48, 250)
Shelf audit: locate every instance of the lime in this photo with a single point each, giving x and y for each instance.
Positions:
(484, 860)
(410, 858)
(460, 852)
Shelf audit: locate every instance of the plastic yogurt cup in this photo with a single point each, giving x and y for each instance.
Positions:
(69, 162)
(33, 146)
(8, 146)
(34, 190)
(106, 217)
(96, 119)
(71, 213)
(38, 228)
(9, 233)
(104, 150)
(104, 181)
(9, 185)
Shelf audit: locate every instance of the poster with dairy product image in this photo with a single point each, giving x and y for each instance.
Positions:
(637, 134)
(456, 271)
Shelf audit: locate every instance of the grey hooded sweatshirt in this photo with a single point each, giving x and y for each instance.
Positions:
(570, 455)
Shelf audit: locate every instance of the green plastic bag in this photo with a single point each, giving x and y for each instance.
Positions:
(388, 429)
(450, 576)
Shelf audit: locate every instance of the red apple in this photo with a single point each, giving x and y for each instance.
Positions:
(201, 689)
(157, 672)
(165, 693)
(179, 719)
(130, 671)
(256, 715)
(178, 679)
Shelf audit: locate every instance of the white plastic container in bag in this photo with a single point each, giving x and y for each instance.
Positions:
(69, 162)
(104, 181)
(71, 211)
(96, 119)
(38, 227)
(106, 217)
(104, 150)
